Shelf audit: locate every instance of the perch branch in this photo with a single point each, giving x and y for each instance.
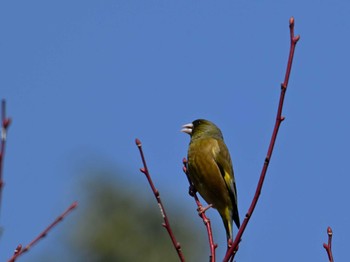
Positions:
(156, 193)
(19, 250)
(328, 246)
(279, 118)
(201, 213)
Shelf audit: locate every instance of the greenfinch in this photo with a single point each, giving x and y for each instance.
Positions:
(210, 170)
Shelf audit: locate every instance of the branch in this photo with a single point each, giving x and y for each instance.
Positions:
(5, 122)
(328, 246)
(279, 118)
(19, 251)
(201, 213)
(156, 193)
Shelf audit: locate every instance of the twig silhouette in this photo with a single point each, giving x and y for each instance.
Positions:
(19, 250)
(231, 252)
(166, 223)
(5, 123)
(201, 213)
(328, 246)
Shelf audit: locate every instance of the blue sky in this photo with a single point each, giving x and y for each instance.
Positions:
(83, 79)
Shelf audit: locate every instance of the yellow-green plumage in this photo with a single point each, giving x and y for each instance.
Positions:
(211, 172)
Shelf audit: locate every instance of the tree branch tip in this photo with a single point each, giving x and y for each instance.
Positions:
(143, 170)
(163, 225)
(329, 231)
(138, 142)
(325, 246)
(283, 118)
(291, 21)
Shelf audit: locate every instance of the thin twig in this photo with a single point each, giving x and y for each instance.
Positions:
(279, 118)
(156, 193)
(19, 250)
(328, 246)
(201, 213)
(5, 123)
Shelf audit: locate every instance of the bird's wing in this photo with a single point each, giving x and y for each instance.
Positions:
(224, 163)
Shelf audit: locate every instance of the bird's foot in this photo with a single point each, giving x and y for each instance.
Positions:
(229, 243)
(201, 209)
(192, 190)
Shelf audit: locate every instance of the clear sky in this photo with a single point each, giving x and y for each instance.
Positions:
(83, 79)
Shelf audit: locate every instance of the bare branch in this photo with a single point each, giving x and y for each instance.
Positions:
(156, 193)
(19, 250)
(279, 118)
(328, 246)
(201, 213)
(5, 123)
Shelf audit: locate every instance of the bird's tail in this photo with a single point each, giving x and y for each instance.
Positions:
(227, 220)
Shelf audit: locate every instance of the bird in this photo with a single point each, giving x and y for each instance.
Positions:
(210, 170)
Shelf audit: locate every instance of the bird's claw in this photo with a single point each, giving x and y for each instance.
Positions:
(201, 209)
(192, 190)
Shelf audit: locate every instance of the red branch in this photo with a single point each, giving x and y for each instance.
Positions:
(279, 118)
(5, 123)
(201, 213)
(156, 193)
(19, 251)
(328, 246)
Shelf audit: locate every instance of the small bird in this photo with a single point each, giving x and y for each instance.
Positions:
(211, 172)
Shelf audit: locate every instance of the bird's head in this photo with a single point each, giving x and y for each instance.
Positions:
(201, 128)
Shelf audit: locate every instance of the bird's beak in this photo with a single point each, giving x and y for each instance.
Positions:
(187, 128)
